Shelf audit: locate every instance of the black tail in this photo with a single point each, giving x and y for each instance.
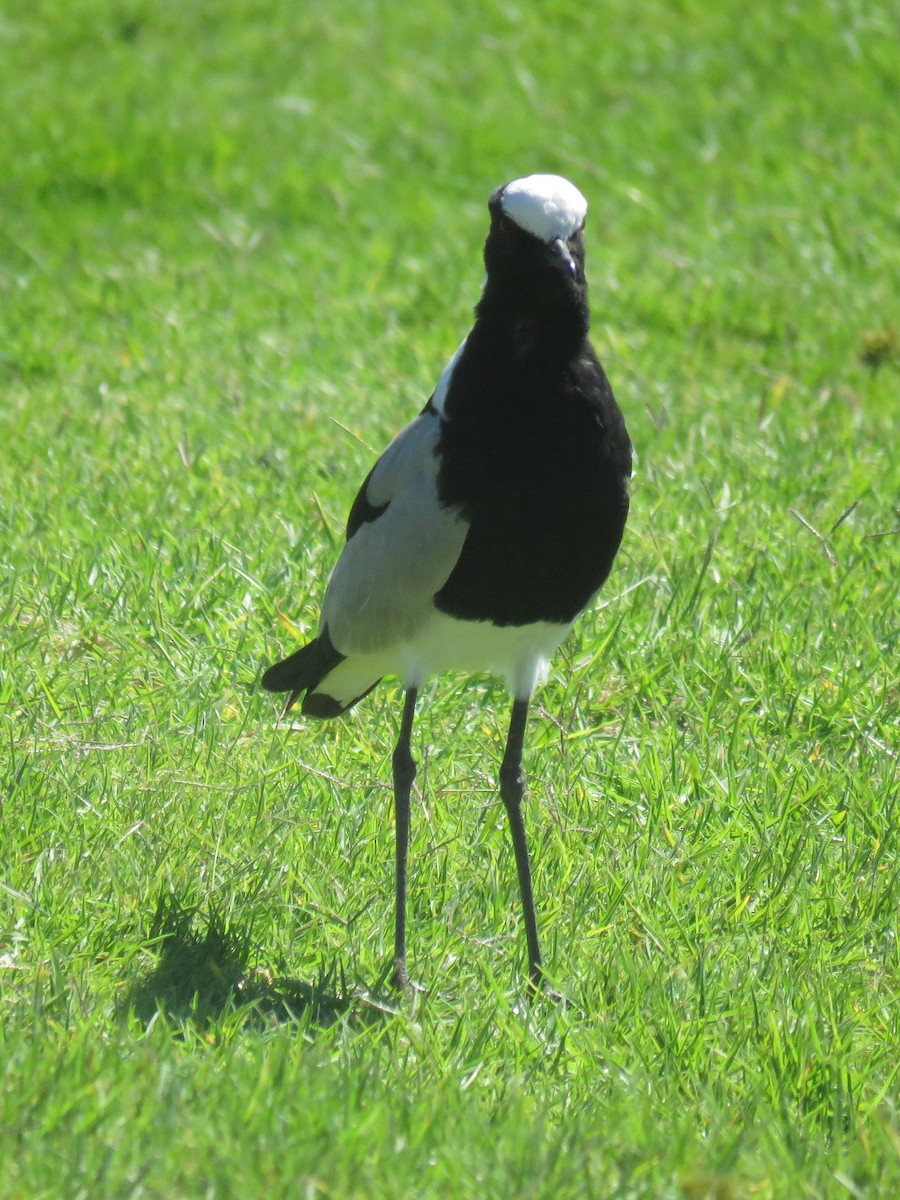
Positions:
(303, 670)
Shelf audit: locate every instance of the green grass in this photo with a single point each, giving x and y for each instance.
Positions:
(237, 244)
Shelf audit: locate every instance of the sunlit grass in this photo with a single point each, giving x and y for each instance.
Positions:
(235, 250)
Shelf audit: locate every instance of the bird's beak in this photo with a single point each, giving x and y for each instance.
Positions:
(562, 257)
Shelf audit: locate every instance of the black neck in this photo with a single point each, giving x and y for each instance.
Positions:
(549, 324)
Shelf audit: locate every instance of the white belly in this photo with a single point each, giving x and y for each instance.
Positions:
(518, 654)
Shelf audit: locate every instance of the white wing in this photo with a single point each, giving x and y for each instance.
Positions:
(381, 590)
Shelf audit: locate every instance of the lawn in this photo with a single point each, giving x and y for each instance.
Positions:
(237, 245)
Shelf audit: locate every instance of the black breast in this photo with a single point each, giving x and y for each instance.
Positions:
(540, 467)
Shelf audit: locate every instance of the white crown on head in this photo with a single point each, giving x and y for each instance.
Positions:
(546, 205)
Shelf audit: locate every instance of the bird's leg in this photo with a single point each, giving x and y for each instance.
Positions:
(512, 788)
(404, 770)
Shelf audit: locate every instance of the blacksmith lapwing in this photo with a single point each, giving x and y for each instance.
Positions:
(491, 521)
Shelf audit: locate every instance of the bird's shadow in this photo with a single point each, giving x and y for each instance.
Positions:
(202, 972)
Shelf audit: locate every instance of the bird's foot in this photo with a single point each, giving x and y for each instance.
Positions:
(400, 979)
(538, 986)
(399, 975)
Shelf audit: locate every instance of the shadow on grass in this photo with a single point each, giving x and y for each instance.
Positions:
(202, 973)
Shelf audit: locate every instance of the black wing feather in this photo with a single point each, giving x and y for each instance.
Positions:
(363, 510)
(303, 669)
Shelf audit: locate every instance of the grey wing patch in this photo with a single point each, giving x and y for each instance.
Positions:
(402, 552)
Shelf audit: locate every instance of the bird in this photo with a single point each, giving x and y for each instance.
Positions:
(489, 523)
